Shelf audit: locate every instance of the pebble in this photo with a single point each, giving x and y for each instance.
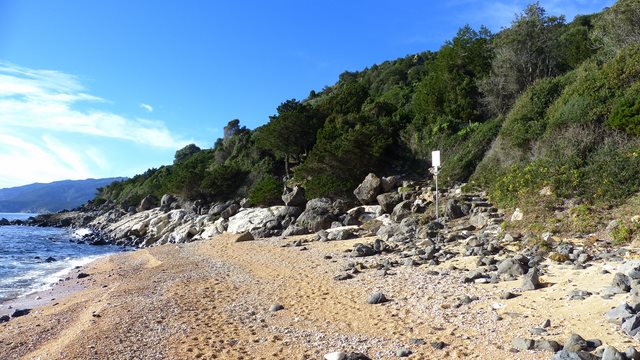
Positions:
(377, 298)
(276, 307)
(439, 345)
(403, 352)
(83, 275)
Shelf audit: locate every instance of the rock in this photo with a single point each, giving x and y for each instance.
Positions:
(401, 211)
(4, 318)
(261, 222)
(579, 294)
(522, 344)
(276, 307)
(367, 191)
(230, 211)
(538, 331)
(246, 236)
(388, 201)
(611, 353)
(335, 356)
(479, 220)
(531, 280)
(417, 341)
(438, 345)
(575, 343)
(621, 281)
(340, 234)
(506, 295)
(569, 355)
(631, 326)
(294, 197)
(631, 268)
(512, 267)
(390, 183)
(453, 210)
(357, 356)
(546, 345)
(317, 215)
(361, 250)
(217, 209)
(167, 200)
(149, 202)
(295, 229)
(50, 259)
(377, 298)
(403, 352)
(517, 215)
(546, 324)
(343, 277)
(83, 275)
(631, 353)
(20, 312)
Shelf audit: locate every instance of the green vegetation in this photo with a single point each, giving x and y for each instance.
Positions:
(543, 104)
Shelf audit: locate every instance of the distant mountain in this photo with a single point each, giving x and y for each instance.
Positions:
(51, 197)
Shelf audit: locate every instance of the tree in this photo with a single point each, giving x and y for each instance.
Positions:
(185, 153)
(527, 51)
(291, 133)
(618, 26)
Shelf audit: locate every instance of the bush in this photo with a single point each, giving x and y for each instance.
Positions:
(329, 186)
(266, 191)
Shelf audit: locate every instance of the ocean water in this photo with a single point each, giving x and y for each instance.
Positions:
(24, 251)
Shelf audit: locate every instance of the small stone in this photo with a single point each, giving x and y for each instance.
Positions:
(496, 317)
(546, 324)
(531, 280)
(622, 281)
(377, 298)
(403, 352)
(417, 341)
(522, 344)
(631, 353)
(4, 318)
(507, 295)
(537, 331)
(438, 345)
(245, 236)
(631, 326)
(276, 307)
(342, 277)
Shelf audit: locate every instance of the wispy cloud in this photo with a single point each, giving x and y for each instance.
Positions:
(51, 128)
(147, 107)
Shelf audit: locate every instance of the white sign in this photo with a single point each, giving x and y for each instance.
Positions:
(435, 159)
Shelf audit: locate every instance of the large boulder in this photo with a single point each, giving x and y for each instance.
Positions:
(388, 201)
(453, 209)
(401, 211)
(390, 183)
(148, 203)
(368, 190)
(318, 215)
(261, 222)
(230, 211)
(167, 200)
(294, 197)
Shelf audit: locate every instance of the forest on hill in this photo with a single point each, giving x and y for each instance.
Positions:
(544, 110)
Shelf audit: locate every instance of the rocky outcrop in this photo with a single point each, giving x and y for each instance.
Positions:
(262, 222)
(318, 215)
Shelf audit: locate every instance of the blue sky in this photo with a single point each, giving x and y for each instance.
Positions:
(94, 88)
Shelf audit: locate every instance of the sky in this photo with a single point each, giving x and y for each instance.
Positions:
(94, 88)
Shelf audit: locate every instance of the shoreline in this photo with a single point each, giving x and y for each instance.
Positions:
(211, 299)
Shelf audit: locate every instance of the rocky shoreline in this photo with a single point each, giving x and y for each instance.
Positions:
(394, 228)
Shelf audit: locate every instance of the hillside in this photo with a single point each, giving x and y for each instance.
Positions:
(543, 114)
(51, 197)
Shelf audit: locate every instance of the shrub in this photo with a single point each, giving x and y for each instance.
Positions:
(266, 191)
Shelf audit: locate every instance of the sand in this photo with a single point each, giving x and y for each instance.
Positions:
(210, 299)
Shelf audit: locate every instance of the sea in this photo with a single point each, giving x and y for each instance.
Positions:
(35, 258)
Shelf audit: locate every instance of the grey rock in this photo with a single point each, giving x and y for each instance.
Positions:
(611, 353)
(403, 352)
(512, 267)
(246, 236)
(531, 280)
(546, 345)
(438, 345)
(318, 215)
(148, 203)
(631, 353)
(388, 201)
(622, 281)
(357, 356)
(361, 250)
(453, 210)
(522, 344)
(506, 295)
(575, 343)
(631, 268)
(546, 324)
(276, 307)
(538, 331)
(217, 209)
(569, 355)
(167, 200)
(619, 314)
(579, 294)
(230, 211)
(377, 298)
(417, 341)
(367, 191)
(390, 183)
(401, 211)
(82, 275)
(4, 318)
(20, 312)
(343, 277)
(631, 326)
(295, 229)
(294, 197)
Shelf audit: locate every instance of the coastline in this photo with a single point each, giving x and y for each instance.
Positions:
(211, 299)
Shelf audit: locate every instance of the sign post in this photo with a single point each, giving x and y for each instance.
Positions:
(435, 162)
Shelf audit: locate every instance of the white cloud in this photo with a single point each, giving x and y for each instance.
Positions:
(51, 129)
(147, 107)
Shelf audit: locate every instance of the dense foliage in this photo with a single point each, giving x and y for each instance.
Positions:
(543, 104)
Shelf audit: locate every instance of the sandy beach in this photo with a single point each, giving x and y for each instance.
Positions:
(211, 299)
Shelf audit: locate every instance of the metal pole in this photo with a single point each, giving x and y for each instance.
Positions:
(437, 211)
